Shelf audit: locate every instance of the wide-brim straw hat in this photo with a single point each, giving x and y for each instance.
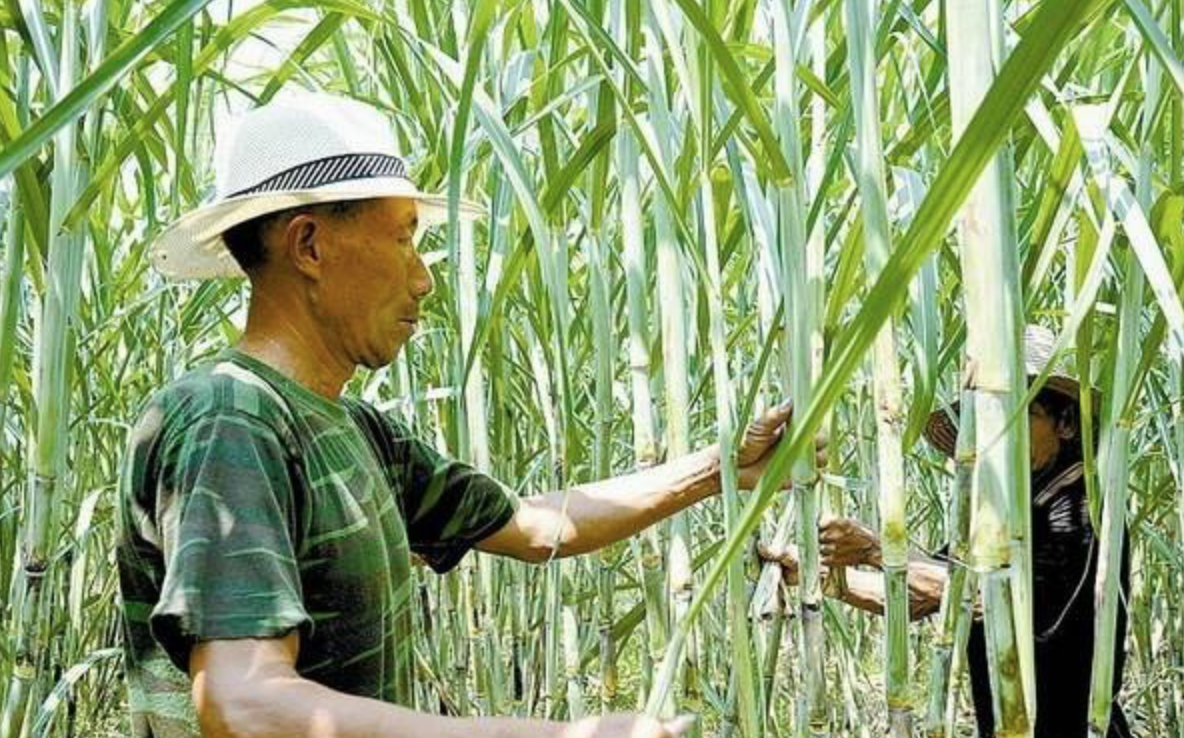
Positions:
(941, 430)
(303, 149)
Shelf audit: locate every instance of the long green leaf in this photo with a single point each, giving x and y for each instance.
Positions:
(81, 97)
(1053, 28)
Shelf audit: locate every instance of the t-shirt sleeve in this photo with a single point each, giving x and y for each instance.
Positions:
(449, 506)
(226, 513)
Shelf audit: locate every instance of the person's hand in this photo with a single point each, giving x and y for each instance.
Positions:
(846, 542)
(628, 726)
(786, 558)
(760, 438)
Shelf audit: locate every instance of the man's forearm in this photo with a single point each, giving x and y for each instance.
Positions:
(291, 706)
(926, 581)
(588, 517)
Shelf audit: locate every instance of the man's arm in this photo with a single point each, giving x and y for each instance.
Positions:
(590, 516)
(927, 581)
(848, 543)
(249, 688)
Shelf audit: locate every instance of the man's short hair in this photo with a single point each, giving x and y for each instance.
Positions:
(245, 241)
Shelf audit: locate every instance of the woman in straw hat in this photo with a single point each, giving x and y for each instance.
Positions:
(267, 521)
(1065, 558)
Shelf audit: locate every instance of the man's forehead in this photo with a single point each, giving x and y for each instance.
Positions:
(404, 211)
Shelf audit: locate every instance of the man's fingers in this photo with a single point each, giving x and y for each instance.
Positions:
(787, 558)
(679, 725)
(832, 529)
(774, 418)
(769, 554)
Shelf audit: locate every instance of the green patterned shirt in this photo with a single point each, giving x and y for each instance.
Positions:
(251, 506)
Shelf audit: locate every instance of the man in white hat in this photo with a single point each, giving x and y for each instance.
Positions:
(267, 521)
(1065, 562)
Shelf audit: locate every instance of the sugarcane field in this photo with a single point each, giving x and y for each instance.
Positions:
(592, 368)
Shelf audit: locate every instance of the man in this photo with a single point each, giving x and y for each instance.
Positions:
(1065, 557)
(267, 522)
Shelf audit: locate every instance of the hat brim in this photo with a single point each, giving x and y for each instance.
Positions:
(192, 247)
(941, 429)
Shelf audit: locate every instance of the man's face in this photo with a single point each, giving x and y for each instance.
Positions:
(372, 280)
(1046, 434)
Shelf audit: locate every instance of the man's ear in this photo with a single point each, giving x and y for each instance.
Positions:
(1069, 424)
(301, 240)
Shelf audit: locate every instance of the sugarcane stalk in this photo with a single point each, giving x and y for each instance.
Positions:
(673, 309)
(951, 616)
(10, 291)
(877, 235)
(52, 363)
(10, 306)
(600, 275)
(961, 638)
(799, 286)
(1114, 466)
(999, 534)
(10, 312)
(1118, 407)
(602, 452)
(645, 451)
(741, 646)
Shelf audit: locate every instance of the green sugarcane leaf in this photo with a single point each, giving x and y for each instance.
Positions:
(138, 129)
(1159, 43)
(325, 30)
(738, 89)
(1056, 24)
(82, 96)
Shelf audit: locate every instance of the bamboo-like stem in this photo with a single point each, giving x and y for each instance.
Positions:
(476, 415)
(10, 291)
(961, 638)
(673, 310)
(1114, 456)
(1114, 467)
(600, 276)
(602, 455)
(1176, 383)
(52, 364)
(799, 287)
(10, 308)
(877, 236)
(645, 451)
(744, 668)
(999, 538)
(952, 620)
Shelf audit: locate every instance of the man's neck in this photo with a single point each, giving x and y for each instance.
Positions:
(285, 338)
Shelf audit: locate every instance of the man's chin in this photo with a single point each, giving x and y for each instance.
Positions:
(379, 359)
(377, 363)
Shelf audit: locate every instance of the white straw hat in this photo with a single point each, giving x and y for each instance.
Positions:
(300, 150)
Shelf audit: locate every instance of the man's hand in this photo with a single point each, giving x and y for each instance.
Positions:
(846, 542)
(786, 558)
(842, 542)
(628, 726)
(760, 438)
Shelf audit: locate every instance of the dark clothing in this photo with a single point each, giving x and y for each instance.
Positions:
(1064, 563)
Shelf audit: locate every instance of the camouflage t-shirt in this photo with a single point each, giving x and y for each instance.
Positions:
(251, 506)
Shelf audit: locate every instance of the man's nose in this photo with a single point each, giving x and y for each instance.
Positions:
(421, 281)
